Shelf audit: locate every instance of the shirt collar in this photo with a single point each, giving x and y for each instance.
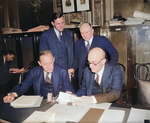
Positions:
(90, 41)
(57, 32)
(50, 74)
(101, 71)
(4, 59)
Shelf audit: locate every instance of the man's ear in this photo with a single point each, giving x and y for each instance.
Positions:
(92, 31)
(39, 63)
(104, 61)
(52, 23)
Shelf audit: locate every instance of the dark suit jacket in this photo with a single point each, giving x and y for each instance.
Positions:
(5, 76)
(111, 84)
(59, 78)
(81, 53)
(48, 42)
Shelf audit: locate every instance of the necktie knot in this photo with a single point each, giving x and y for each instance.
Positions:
(47, 78)
(88, 46)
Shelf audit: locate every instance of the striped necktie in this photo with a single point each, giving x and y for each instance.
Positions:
(88, 46)
(48, 80)
(97, 79)
(60, 36)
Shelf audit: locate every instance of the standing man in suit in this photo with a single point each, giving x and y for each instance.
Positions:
(59, 41)
(46, 78)
(102, 82)
(85, 44)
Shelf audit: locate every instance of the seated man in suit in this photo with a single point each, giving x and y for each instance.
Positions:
(102, 82)
(7, 69)
(46, 78)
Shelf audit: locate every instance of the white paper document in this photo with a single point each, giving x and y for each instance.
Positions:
(40, 117)
(112, 116)
(64, 98)
(27, 101)
(99, 105)
(65, 113)
(138, 115)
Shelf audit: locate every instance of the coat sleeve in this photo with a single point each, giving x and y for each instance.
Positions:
(66, 84)
(24, 86)
(112, 52)
(75, 62)
(82, 90)
(115, 89)
(44, 41)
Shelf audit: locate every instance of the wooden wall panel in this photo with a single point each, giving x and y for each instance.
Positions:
(118, 39)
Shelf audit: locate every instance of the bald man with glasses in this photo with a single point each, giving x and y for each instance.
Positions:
(101, 82)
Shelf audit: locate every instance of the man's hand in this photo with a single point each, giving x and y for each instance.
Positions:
(71, 71)
(84, 100)
(17, 70)
(9, 98)
(69, 92)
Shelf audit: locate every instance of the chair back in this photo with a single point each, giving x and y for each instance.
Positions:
(124, 94)
(141, 71)
(123, 70)
(142, 83)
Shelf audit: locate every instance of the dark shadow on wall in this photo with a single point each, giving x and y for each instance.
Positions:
(33, 13)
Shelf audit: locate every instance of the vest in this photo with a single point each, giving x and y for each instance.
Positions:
(96, 88)
(46, 88)
(62, 53)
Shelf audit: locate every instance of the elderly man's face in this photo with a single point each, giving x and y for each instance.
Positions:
(47, 62)
(96, 63)
(86, 31)
(59, 24)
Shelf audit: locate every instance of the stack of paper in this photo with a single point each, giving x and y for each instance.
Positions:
(64, 98)
(112, 116)
(27, 101)
(40, 117)
(64, 113)
(138, 115)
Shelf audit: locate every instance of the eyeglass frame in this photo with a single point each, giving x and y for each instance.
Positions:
(94, 63)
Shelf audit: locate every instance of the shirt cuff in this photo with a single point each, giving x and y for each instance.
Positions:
(94, 99)
(15, 94)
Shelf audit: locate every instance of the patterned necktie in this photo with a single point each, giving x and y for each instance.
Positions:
(97, 79)
(88, 46)
(47, 78)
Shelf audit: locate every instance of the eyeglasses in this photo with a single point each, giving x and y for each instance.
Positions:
(94, 63)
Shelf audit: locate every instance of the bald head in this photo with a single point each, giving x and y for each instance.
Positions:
(86, 31)
(97, 53)
(96, 58)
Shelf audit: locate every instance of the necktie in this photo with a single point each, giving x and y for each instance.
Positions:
(88, 46)
(97, 79)
(60, 36)
(47, 78)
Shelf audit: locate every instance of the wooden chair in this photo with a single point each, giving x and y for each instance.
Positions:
(142, 84)
(124, 93)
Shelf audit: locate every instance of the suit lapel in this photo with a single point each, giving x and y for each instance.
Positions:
(89, 84)
(94, 43)
(53, 41)
(105, 76)
(83, 52)
(37, 82)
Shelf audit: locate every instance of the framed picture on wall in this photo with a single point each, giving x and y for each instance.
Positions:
(83, 5)
(68, 6)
